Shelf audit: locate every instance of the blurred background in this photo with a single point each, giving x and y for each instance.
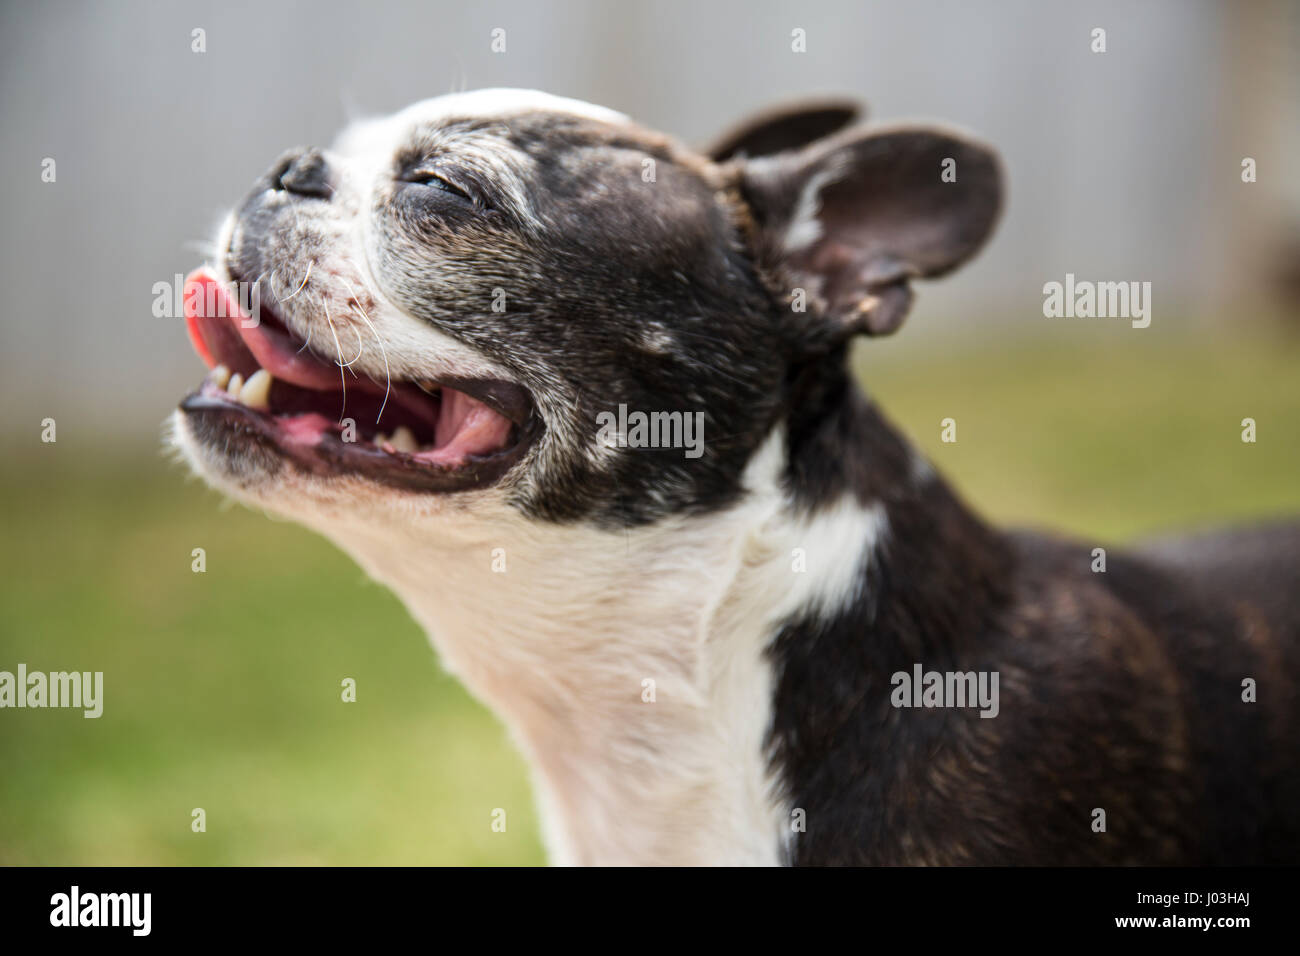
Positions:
(222, 688)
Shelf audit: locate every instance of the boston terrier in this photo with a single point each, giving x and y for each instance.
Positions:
(463, 344)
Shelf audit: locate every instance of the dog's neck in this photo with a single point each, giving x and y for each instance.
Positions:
(633, 666)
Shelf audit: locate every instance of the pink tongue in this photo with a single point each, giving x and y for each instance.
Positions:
(216, 324)
(466, 427)
(218, 329)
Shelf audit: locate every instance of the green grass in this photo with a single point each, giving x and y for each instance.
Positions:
(1109, 438)
(223, 689)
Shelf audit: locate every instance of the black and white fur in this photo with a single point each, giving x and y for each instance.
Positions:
(1119, 691)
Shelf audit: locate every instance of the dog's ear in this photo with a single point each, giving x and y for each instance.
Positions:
(785, 127)
(853, 219)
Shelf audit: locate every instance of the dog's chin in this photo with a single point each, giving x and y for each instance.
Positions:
(272, 419)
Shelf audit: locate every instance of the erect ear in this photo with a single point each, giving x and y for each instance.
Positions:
(784, 127)
(852, 220)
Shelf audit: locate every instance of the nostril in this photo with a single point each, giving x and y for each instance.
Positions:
(306, 174)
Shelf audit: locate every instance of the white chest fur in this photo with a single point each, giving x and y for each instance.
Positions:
(631, 667)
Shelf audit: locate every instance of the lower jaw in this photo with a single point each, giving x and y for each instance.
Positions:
(229, 429)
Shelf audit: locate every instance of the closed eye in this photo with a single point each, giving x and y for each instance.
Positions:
(435, 180)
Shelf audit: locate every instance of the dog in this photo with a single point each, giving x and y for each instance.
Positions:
(754, 655)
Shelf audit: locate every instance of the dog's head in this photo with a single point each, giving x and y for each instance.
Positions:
(469, 305)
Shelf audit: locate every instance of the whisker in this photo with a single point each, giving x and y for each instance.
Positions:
(342, 378)
(388, 378)
(304, 281)
(360, 348)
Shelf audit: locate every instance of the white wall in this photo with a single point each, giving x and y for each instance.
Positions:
(1121, 165)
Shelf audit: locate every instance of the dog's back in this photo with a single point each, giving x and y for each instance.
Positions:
(1257, 565)
(1203, 632)
(1253, 575)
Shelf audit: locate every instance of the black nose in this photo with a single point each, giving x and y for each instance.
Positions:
(303, 173)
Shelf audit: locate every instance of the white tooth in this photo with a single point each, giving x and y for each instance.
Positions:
(256, 390)
(234, 385)
(379, 439)
(219, 376)
(403, 440)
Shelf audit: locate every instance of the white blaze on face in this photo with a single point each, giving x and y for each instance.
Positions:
(380, 134)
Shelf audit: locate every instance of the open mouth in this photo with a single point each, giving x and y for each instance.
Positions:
(265, 386)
